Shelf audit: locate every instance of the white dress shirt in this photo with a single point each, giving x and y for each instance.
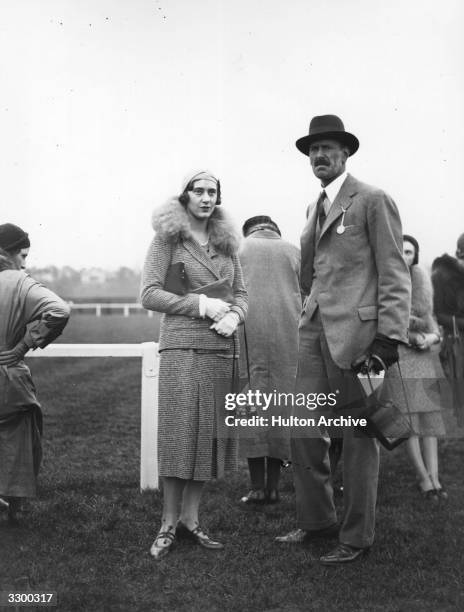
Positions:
(332, 190)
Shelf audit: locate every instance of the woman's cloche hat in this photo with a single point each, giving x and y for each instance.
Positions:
(327, 126)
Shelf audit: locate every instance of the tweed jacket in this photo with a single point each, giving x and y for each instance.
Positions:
(358, 278)
(181, 325)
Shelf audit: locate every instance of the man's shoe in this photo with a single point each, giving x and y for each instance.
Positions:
(4, 504)
(293, 537)
(15, 513)
(272, 496)
(344, 553)
(305, 535)
(255, 496)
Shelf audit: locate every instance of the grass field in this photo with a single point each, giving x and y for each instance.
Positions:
(88, 534)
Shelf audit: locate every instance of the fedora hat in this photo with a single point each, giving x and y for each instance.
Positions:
(327, 126)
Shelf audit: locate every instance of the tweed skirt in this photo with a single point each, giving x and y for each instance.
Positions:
(193, 441)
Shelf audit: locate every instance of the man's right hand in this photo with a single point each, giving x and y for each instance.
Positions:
(15, 355)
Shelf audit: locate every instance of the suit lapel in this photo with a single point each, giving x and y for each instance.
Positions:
(202, 256)
(342, 201)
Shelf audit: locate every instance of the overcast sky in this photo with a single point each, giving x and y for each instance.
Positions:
(107, 104)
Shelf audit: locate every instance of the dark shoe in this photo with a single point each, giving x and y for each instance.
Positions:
(441, 493)
(14, 511)
(304, 535)
(198, 536)
(4, 505)
(255, 496)
(297, 536)
(430, 496)
(272, 496)
(344, 553)
(162, 544)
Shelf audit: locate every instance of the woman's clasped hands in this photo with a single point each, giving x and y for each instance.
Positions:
(225, 320)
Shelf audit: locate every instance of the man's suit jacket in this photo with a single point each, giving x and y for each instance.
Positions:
(358, 278)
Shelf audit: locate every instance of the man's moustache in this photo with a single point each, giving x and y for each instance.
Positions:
(321, 162)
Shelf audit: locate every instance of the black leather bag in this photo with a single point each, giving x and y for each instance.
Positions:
(221, 289)
(385, 421)
(176, 280)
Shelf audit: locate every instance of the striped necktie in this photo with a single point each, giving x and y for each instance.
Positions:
(321, 216)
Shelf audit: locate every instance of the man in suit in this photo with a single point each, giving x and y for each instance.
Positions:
(357, 307)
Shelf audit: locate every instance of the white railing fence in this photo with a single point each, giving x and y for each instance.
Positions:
(97, 307)
(148, 351)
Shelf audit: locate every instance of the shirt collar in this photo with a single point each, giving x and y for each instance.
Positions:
(334, 187)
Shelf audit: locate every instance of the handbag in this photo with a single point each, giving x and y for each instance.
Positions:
(385, 421)
(221, 289)
(176, 280)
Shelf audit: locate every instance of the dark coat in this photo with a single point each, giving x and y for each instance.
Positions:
(448, 282)
(29, 312)
(448, 285)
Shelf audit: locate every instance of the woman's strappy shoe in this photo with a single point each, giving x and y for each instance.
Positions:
(158, 550)
(198, 536)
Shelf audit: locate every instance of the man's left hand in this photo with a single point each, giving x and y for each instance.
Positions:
(384, 349)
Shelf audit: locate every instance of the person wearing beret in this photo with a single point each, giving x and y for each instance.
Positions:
(358, 292)
(31, 317)
(197, 347)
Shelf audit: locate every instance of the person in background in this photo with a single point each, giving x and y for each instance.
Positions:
(271, 268)
(197, 344)
(420, 369)
(31, 317)
(448, 304)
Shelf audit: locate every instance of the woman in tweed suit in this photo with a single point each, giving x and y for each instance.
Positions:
(196, 345)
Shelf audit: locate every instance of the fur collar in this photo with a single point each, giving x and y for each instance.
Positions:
(172, 223)
(449, 267)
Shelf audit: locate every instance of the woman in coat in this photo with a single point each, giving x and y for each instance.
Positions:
(271, 269)
(197, 345)
(420, 368)
(448, 283)
(31, 316)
